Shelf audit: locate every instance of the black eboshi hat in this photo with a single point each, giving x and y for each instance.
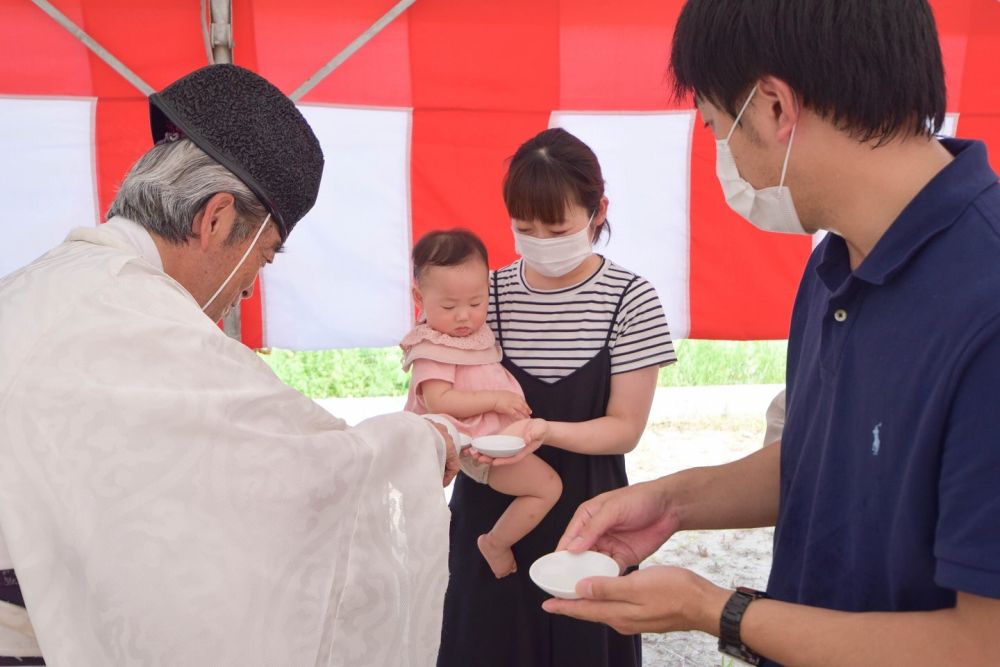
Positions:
(251, 128)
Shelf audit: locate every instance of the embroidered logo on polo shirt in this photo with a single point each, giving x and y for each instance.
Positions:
(876, 442)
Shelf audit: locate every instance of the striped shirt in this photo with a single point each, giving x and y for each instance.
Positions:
(551, 333)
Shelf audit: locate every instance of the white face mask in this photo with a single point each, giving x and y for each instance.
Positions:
(770, 209)
(556, 256)
(238, 264)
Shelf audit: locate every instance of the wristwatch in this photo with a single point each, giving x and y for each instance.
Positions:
(729, 625)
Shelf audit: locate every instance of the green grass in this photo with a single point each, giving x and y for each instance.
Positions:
(360, 372)
(706, 362)
(377, 371)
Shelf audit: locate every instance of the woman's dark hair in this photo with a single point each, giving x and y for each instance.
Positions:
(447, 248)
(873, 67)
(551, 170)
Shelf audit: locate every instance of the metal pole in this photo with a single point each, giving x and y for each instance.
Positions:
(222, 31)
(351, 48)
(94, 46)
(221, 35)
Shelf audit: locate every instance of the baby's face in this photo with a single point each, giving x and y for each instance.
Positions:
(454, 299)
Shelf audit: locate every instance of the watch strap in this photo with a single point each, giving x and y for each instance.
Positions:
(730, 641)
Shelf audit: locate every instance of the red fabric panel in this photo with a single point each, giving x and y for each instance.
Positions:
(294, 40)
(39, 57)
(980, 118)
(952, 19)
(743, 281)
(245, 35)
(251, 318)
(614, 55)
(981, 89)
(485, 55)
(158, 41)
(121, 135)
(953, 49)
(128, 31)
(485, 79)
(456, 170)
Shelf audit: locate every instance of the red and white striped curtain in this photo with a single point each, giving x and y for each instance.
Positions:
(416, 128)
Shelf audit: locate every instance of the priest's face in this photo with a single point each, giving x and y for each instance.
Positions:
(242, 283)
(454, 298)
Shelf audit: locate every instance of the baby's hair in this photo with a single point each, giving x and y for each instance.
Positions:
(447, 248)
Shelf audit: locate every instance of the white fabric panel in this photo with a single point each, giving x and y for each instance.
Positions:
(646, 158)
(950, 126)
(344, 278)
(46, 173)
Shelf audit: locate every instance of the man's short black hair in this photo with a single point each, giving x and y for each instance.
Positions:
(873, 67)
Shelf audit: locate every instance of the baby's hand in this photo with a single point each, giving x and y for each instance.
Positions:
(509, 403)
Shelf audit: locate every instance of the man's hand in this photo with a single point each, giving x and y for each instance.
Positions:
(653, 599)
(451, 465)
(628, 524)
(532, 431)
(510, 404)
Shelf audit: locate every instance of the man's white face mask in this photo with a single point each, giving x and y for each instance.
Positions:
(770, 209)
(556, 256)
(238, 264)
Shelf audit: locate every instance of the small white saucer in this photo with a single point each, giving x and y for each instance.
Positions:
(557, 573)
(498, 446)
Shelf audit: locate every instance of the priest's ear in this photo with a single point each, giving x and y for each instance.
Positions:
(213, 223)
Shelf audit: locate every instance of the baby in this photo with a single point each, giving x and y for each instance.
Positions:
(456, 371)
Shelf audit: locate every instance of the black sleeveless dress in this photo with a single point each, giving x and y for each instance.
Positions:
(10, 592)
(500, 623)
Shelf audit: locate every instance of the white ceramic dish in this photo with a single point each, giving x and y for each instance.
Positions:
(557, 573)
(498, 446)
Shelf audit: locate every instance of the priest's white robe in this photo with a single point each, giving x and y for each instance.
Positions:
(166, 500)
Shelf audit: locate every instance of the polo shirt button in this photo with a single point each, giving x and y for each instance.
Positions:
(840, 315)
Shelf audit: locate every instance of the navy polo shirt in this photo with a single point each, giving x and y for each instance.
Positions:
(890, 457)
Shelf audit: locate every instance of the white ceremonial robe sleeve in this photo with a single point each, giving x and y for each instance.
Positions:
(166, 500)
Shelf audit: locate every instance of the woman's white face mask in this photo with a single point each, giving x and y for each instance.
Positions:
(556, 256)
(770, 209)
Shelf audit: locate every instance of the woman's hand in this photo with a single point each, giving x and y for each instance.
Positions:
(627, 524)
(533, 431)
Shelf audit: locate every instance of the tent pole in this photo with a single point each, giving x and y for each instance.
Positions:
(351, 48)
(94, 46)
(221, 34)
(222, 31)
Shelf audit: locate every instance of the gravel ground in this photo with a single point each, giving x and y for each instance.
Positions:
(725, 557)
(688, 427)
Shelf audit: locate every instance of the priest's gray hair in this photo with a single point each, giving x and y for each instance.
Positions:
(166, 187)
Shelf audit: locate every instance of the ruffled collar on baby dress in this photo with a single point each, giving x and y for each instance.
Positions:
(424, 342)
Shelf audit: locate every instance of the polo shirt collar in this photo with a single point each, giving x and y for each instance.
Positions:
(934, 209)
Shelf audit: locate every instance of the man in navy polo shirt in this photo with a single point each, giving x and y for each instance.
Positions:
(885, 487)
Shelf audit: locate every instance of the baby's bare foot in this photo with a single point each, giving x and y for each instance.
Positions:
(499, 557)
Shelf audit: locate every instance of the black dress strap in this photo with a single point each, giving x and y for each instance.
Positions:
(496, 309)
(614, 316)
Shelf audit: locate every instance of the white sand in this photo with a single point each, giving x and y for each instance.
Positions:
(688, 427)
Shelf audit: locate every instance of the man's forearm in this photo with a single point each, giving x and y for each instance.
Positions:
(799, 635)
(741, 494)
